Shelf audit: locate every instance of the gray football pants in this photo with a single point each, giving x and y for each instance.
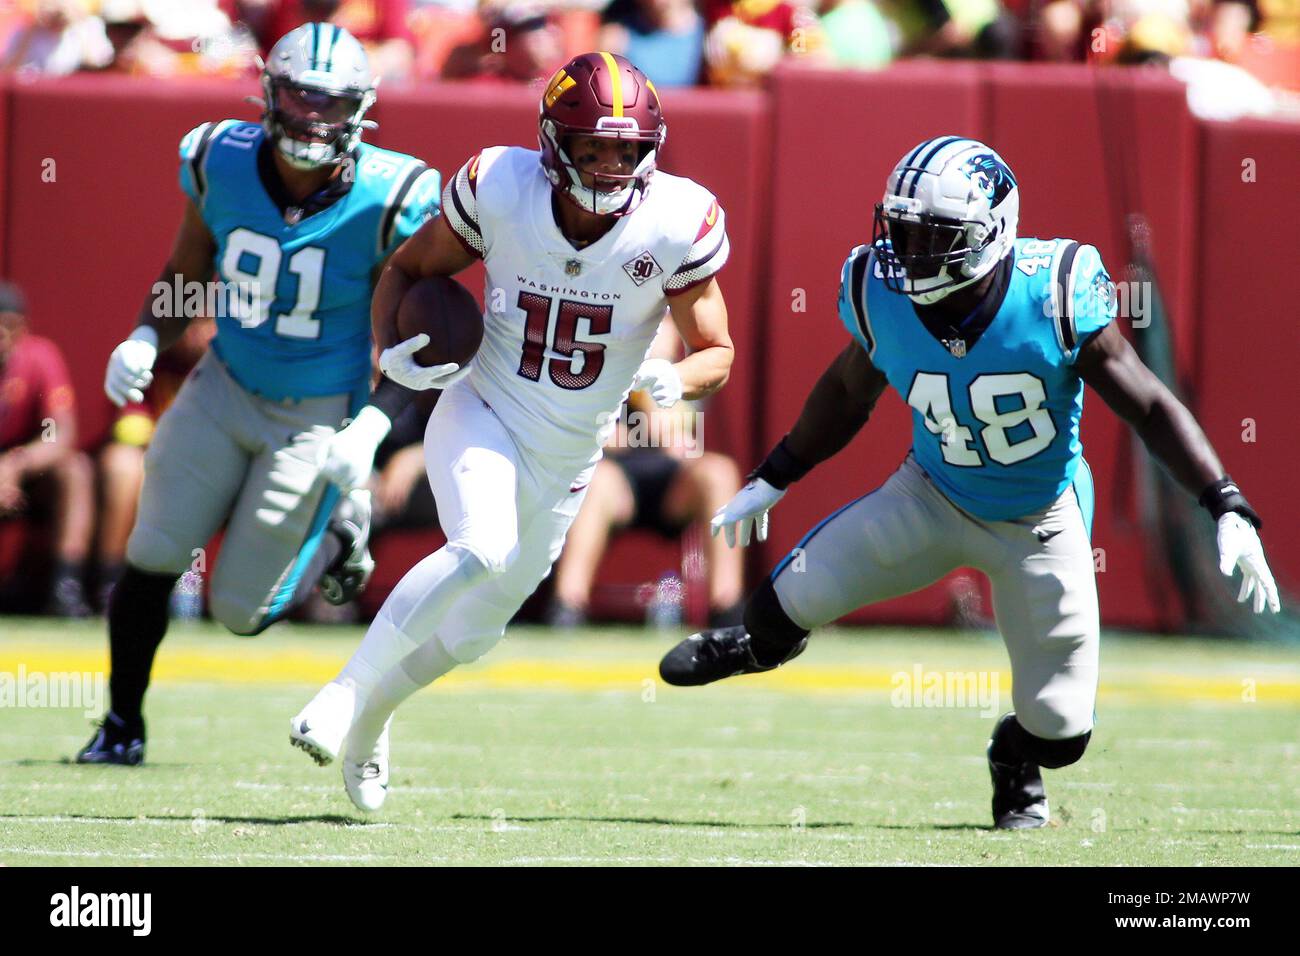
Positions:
(907, 534)
(223, 456)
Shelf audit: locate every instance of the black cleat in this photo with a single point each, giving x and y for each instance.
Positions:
(1019, 800)
(348, 576)
(712, 655)
(115, 742)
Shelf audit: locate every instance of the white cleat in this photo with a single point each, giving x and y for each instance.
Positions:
(321, 727)
(365, 775)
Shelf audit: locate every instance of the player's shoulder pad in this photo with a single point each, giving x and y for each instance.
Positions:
(1081, 298)
(460, 199)
(704, 226)
(852, 301)
(406, 191)
(196, 148)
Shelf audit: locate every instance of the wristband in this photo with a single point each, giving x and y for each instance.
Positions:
(780, 468)
(1224, 496)
(391, 397)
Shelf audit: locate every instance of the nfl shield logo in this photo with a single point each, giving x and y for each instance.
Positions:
(957, 347)
(573, 267)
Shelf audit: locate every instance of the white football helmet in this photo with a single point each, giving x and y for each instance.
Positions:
(318, 87)
(948, 216)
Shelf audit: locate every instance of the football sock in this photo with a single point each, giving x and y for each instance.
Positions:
(137, 621)
(416, 670)
(772, 634)
(1014, 745)
(411, 614)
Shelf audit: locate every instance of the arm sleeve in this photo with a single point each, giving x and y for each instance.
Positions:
(853, 297)
(706, 256)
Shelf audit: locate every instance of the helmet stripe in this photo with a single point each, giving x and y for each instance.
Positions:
(329, 54)
(914, 153)
(920, 166)
(615, 82)
(321, 46)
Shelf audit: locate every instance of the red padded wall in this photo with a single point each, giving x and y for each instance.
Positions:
(88, 246)
(1247, 340)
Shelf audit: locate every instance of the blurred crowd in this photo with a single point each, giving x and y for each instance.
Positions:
(676, 42)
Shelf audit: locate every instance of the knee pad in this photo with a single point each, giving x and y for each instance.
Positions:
(495, 557)
(767, 622)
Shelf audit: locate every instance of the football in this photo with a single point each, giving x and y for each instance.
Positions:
(444, 310)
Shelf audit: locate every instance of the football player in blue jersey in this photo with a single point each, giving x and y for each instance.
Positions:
(990, 340)
(286, 226)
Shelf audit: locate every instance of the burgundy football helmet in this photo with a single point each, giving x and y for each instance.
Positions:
(600, 94)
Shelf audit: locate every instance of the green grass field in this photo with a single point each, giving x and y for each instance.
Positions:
(564, 749)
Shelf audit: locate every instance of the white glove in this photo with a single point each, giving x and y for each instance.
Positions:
(746, 511)
(399, 365)
(130, 367)
(347, 457)
(660, 379)
(1240, 547)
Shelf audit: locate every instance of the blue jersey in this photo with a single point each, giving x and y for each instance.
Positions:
(294, 318)
(995, 424)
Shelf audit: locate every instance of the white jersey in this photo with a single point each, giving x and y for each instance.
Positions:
(565, 329)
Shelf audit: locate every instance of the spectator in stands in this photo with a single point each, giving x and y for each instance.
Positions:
(1061, 31)
(61, 38)
(137, 50)
(518, 44)
(748, 38)
(645, 481)
(438, 27)
(665, 38)
(121, 461)
(379, 24)
(857, 34)
(41, 471)
(980, 29)
(1231, 24)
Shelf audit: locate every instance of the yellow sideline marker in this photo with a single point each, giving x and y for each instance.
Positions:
(298, 666)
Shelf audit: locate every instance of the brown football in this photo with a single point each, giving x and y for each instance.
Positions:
(444, 310)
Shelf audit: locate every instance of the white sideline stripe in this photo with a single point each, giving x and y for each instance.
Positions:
(114, 855)
(703, 861)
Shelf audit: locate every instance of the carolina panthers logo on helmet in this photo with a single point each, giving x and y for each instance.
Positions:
(990, 176)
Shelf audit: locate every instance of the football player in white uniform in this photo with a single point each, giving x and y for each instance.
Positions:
(585, 246)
